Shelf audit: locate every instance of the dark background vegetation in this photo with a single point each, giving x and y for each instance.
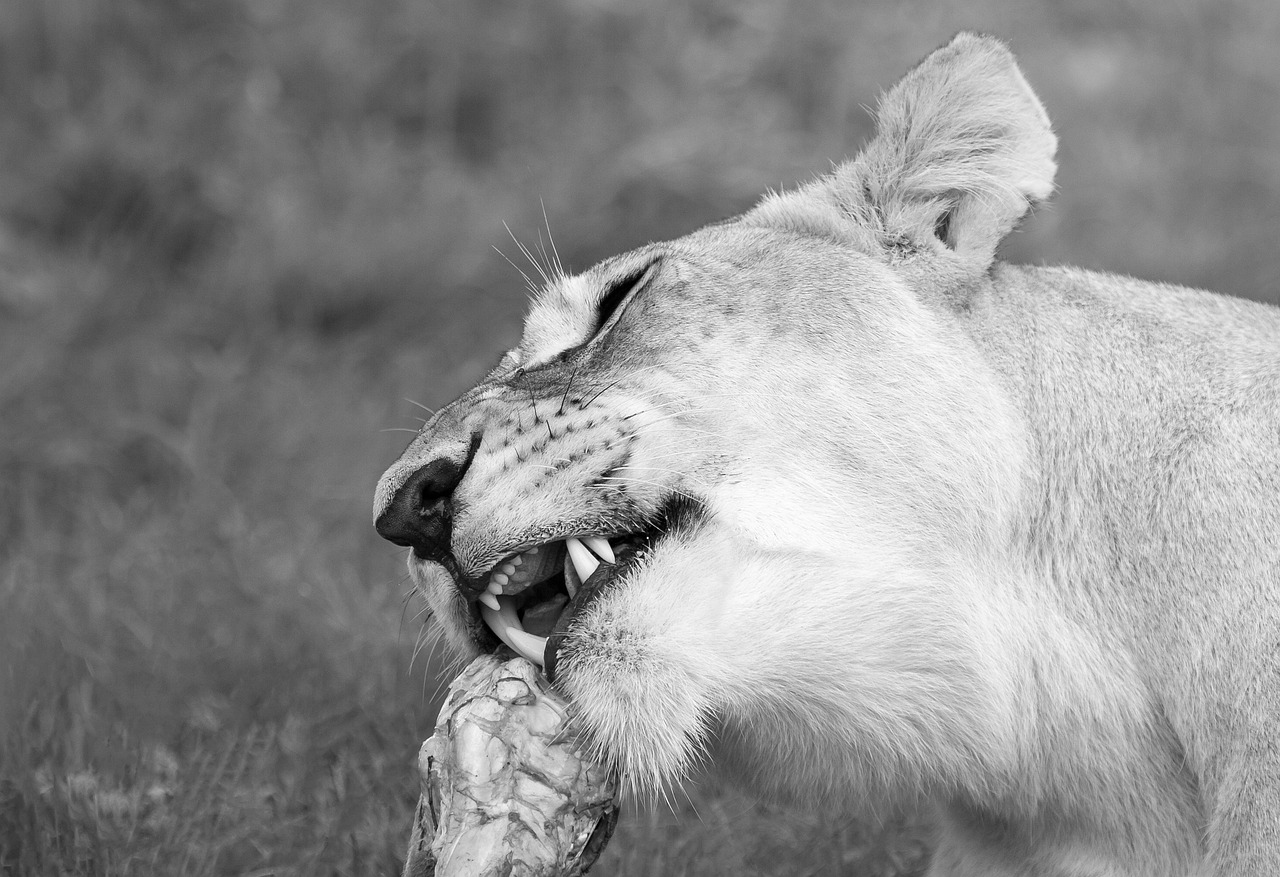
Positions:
(237, 236)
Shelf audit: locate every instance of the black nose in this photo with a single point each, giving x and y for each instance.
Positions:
(420, 514)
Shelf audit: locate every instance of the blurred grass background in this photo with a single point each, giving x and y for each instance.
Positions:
(237, 236)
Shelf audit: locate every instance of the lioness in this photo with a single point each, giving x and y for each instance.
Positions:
(828, 494)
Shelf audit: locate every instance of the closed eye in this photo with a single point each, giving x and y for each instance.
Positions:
(619, 290)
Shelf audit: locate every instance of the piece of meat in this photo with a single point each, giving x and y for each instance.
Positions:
(504, 792)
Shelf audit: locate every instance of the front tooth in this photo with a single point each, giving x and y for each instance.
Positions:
(584, 562)
(488, 599)
(600, 546)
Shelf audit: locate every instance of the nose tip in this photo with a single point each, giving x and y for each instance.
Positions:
(419, 515)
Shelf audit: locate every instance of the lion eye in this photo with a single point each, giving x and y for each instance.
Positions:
(618, 291)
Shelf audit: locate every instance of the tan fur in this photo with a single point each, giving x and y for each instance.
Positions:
(1006, 539)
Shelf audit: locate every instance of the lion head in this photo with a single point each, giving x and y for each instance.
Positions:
(731, 489)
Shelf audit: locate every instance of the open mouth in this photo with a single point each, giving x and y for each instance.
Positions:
(532, 595)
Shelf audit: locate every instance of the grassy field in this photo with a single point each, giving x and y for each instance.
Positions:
(237, 237)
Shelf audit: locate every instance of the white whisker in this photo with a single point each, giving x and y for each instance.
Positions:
(533, 287)
(655, 469)
(542, 272)
(620, 480)
(671, 415)
(559, 266)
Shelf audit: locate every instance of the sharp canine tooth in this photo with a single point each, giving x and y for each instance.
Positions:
(506, 625)
(600, 546)
(532, 647)
(584, 563)
(490, 600)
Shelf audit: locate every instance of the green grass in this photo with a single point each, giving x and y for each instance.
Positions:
(237, 237)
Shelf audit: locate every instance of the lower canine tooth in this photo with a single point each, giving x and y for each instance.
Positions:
(506, 625)
(532, 648)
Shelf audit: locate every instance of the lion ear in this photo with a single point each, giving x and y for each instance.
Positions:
(963, 148)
